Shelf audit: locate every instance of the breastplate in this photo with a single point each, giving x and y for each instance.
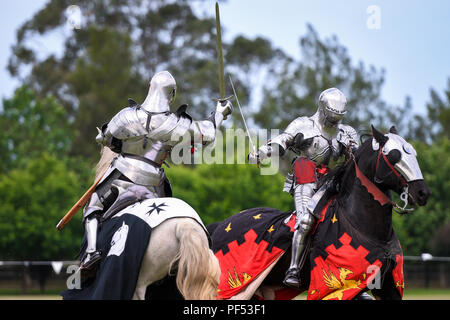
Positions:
(322, 150)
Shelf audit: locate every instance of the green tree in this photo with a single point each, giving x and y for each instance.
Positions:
(30, 126)
(439, 114)
(324, 64)
(219, 191)
(101, 80)
(419, 231)
(434, 124)
(34, 199)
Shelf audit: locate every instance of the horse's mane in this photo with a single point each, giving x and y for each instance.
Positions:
(341, 178)
(107, 155)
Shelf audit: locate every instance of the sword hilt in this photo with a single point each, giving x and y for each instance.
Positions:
(223, 101)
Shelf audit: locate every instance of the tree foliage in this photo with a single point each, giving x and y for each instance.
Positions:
(34, 199)
(31, 125)
(219, 191)
(325, 63)
(439, 114)
(418, 231)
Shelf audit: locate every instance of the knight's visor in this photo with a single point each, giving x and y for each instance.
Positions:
(332, 116)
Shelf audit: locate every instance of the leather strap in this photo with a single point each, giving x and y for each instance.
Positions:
(377, 194)
(141, 158)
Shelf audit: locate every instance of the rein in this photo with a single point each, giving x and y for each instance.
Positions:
(379, 195)
(386, 160)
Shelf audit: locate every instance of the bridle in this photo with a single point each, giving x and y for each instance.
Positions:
(379, 195)
(389, 164)
(404, 195)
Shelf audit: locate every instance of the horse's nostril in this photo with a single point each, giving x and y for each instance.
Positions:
(422, 196)
(424, 193)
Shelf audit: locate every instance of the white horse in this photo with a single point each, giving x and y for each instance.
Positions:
(177, 241)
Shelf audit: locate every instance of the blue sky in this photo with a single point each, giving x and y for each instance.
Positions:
(412, 43)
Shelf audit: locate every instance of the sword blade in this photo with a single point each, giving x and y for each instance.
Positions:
(219, 54)
(242, 114)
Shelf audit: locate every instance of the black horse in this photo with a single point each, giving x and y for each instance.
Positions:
(359, 199)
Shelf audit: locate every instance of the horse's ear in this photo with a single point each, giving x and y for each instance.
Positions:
(393, 130)
(379, 137)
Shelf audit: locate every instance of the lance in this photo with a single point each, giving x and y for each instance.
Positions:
(80, 203)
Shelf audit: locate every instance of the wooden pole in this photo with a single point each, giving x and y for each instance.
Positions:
(77, 206)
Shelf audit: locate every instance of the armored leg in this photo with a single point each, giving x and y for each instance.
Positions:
(91, 225)
(92, 255)
(305, 221)
(298, 247)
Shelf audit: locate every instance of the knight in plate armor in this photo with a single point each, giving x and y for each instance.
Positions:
(143, 136)
(305, 149)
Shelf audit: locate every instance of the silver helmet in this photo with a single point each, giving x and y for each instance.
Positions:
(331, 106)
(161, 93)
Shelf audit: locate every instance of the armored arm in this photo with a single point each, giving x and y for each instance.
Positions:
(347, 137)
(204, 131)
(128, 123)
(104, 136)
(273, 147)
(278, 145)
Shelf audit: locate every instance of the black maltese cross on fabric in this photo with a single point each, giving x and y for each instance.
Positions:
(158, 208)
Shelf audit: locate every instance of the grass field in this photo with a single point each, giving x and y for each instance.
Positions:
(417, 294)
(410, 294)
(427, 294)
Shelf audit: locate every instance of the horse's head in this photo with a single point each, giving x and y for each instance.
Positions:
(397, 168)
